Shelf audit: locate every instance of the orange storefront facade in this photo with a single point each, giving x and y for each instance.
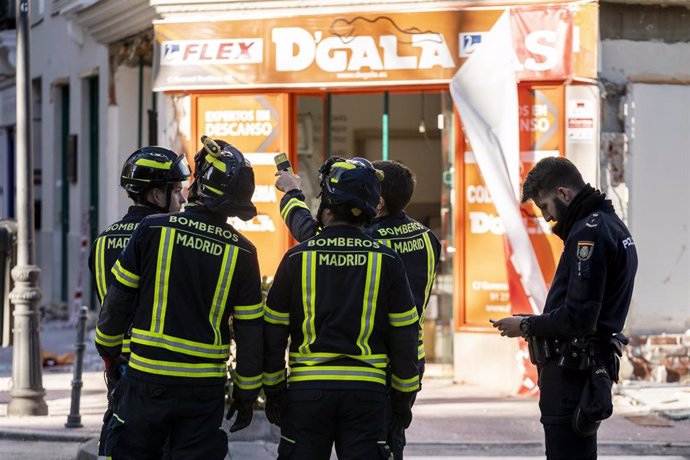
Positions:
(243, 80)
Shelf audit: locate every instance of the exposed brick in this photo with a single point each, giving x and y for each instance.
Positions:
(663, 340)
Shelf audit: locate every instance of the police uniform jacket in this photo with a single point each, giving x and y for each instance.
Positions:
(344, 301)
(183, 276)
(591, 290)
(417, 246)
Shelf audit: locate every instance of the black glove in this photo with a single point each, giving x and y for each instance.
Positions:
(401, 410)
(115, 368)
(274, 406)
(245, 411)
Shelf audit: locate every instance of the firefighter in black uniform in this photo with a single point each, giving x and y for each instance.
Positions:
(417, 246)
(182, 276)
(152, 177)
(576, 340)
(343, 300)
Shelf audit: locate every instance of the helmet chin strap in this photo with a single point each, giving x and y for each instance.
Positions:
(168, 196)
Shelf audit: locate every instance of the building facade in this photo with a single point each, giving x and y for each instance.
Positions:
(344, 77)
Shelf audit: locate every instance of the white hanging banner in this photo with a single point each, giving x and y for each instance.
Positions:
(484, 91)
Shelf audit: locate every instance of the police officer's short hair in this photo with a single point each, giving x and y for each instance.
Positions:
(397, 186)
(549, 174)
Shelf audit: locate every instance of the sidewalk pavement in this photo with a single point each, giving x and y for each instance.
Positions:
(450, 420)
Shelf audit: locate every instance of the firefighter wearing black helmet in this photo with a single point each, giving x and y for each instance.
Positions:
(152, 177)
(343, 300)
(184, 276)
(417, 245)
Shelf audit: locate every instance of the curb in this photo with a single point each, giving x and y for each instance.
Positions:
(33, 435)
(533, 448)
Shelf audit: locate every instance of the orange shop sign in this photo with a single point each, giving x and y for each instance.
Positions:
(550, 42)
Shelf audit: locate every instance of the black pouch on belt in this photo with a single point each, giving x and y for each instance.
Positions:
(596, 402)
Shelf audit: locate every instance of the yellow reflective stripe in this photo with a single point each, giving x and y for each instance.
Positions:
(247, 383)
(196, 370)
(276, 317)
(430, 274)
(249, 311)
(290, 205)
(273, 378)
(371, 290)
(291, 441)
(188, 347)
(215, 162)
(308, 299)
(220, 296)
(379, 360)
(403, 319)
(153, 164)
(386, 242)
(108, 340)
(125, 345)
(421, 353)
(405, 385)
(214, 190)
(349, 373)
(124, 276)
(117, 417)
(160, 290)
(99, 268)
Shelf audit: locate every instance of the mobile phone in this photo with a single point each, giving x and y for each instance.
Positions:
(282, 163)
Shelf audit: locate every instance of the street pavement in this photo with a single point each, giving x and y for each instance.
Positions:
(451, 421)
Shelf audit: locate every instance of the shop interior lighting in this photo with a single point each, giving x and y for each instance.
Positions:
(422, 125)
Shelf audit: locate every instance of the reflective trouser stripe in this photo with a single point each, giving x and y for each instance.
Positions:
(421, 353)
(179, 345)
(196, 370)
(378, 361)
(350, 373)
(371, 291)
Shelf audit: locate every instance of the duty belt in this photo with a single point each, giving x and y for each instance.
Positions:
(574, 353)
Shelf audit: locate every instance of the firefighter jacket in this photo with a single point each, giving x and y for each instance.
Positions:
(591, 290)
(344, 301)
(110, 243)
(107, 248)
(417, 246)
(182, 276)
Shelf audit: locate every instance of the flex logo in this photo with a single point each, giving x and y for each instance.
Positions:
(225, 51)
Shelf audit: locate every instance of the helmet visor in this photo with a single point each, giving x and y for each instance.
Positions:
(179, 170)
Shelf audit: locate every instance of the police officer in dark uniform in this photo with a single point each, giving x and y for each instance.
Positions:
(417, 246)
(180, 278)
(576, 338)
(343, 300)
(152, 177)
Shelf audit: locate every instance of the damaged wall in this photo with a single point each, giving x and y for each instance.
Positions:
(645, 155)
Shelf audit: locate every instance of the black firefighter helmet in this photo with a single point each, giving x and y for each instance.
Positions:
(223, 180)
(151, 167)
(353, 183)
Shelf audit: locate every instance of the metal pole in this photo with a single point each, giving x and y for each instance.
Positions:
(26, 395)
(74, 418)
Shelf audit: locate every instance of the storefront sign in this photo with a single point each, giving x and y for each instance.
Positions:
(255, 124)
(550, 42)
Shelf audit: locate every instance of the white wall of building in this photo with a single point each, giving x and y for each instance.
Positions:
(656, 113)
(63, 54)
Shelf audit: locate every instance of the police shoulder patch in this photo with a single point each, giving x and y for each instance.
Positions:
(593, 220)
(585, 250)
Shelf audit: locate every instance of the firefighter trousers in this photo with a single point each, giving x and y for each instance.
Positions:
(313, 420)
(146, 413)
